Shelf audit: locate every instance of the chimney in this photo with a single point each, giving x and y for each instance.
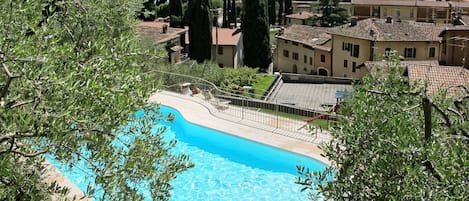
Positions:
(165, 28)
(389, 20)
(353, 21)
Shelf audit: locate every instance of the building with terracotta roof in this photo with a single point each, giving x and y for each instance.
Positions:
(416, 10)
(304, 49)
(374, 39)
(301, 18)
(430, 73)
(227, 47)
(439, 78)
(161, 34)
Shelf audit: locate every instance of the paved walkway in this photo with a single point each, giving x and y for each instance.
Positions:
(198, 111)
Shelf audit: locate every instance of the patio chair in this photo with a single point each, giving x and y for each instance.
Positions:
(218, 103)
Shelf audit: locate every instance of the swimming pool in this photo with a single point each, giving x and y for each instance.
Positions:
(226, 167)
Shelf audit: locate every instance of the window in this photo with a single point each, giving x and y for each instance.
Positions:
(409, 52)
(295, 56)
(356, 50)
(354, 66)
(305, 59)
(220, 49)
(387, 52)
(347, 46)
(221, 65)
(411, 13)
(345, 63)
(294, 43)
(432, 52)
(310, 60)
(323, 58)
(398, 13)
(286, 41)
(286, 53)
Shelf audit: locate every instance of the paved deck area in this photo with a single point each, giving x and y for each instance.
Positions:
(198, 111)
(307, 95)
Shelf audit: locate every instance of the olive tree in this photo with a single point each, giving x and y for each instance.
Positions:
(71, 76)
(395, 141)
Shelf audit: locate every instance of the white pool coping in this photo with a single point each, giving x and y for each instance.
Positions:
(199, 112)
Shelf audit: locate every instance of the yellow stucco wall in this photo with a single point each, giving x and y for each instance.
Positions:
(339, 57)
(303, 66)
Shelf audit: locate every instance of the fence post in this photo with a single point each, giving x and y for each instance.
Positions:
(277, 112)
(242, 108)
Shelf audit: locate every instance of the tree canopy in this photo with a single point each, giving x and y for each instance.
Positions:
(332, 13)
(396, 142)
(255, 27)
(72, 76)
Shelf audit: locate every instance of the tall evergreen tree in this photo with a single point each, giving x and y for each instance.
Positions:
(271, 12)
(288, 7)
(255, 29)
(200, 30)
(225, 23)
(233, 12)
(332, 13)
(175, 11)
(281, 11)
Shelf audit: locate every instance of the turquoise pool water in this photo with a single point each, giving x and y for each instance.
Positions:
(226, 167)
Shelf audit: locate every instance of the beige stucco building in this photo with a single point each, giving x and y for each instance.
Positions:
(416, 10)
(375, 39)
(304, 50)
(230, 47)
(227, 47)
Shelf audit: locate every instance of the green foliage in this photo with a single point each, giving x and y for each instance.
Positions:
(255, 26)
(175, 10)
(200, 30)
(216, 4)
(235, 79)
(162, 10)
(386, 148)
(147, 13)
(72, 74)
(332, 13)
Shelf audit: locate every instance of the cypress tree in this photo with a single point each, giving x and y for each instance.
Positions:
(233, 12)
(272, 12)
(225, 14)
(175, 11)
(255, 29)
(288, 7)
(200, 30)
(281, 11)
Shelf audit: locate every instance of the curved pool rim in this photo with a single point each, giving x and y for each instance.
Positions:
(242, 137)
(200, 112)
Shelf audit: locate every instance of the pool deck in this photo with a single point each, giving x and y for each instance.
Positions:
(198, 111)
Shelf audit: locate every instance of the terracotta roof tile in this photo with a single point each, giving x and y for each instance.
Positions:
(379, 30)
(418, 3)
(302, 15)
(154, 31)
(315, 37)
(225, 36)
(439, 78)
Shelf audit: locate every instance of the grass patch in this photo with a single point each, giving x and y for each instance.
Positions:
(321, 123)
(273, 40)
(263, 83)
